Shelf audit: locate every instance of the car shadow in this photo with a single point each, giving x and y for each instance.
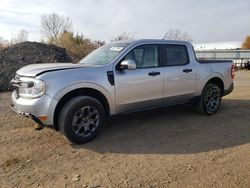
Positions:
(175, 130)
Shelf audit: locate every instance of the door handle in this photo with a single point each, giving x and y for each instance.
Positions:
(187, 70)
(154, 73)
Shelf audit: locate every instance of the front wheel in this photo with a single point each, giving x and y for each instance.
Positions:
(81, 119)
(210, 100)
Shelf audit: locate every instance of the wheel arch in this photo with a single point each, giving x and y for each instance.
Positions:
(86, 91)
(217, 81)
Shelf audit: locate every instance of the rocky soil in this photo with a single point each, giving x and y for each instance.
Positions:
(19, 55)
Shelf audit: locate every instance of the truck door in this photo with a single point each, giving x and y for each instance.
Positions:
(142, 87)
(180, 76)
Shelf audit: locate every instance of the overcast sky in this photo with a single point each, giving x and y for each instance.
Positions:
(204, 21)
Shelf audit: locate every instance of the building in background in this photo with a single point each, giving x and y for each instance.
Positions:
(224, 51)
(233, 45)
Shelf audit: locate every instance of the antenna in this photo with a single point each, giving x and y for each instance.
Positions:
(165, 36)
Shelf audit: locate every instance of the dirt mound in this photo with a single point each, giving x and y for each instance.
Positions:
(19, 55)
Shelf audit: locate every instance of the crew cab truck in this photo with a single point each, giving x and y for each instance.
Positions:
(116, 78)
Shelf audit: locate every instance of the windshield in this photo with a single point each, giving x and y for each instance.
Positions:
(104, 54)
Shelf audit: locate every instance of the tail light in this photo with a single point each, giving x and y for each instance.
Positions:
(233, 71)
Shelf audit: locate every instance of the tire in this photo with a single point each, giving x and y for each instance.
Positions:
(81, 119)
(210, 100)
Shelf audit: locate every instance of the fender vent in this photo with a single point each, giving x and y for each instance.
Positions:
(110, 76)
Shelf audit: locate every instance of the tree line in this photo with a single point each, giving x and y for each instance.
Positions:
(58, 30)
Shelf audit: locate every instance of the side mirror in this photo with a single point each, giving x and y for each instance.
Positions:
(128, 64)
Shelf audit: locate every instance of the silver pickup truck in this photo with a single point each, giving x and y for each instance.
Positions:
(119, 77)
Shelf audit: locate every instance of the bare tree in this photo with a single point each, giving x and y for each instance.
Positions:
(21, 36)
(1, 40)
(99, 43)
(123, 36)
(53, 25)
(176, 34)
(2, 43)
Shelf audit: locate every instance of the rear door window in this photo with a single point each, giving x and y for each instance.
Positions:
(176, 55)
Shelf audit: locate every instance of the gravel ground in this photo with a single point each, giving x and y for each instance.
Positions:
(171, 147)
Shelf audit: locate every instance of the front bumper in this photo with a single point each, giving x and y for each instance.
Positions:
(35, 108)
(28, 115)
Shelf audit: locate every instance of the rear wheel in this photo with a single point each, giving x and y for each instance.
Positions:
(210, 100)
(81, 119)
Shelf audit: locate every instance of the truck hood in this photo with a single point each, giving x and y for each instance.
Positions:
(38, 69)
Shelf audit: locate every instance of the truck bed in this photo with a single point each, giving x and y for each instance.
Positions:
(213, 61)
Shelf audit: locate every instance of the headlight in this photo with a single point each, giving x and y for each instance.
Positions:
(31, 88)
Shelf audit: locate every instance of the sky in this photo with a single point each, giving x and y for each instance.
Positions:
(203, 20)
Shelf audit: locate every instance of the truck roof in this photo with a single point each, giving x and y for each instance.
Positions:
(159, 41)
